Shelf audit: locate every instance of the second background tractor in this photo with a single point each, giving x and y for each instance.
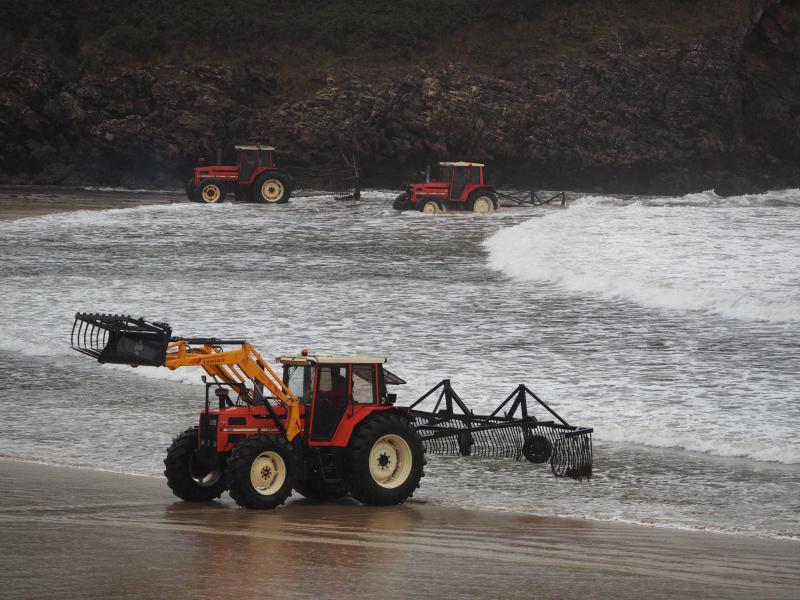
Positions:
(460, 186)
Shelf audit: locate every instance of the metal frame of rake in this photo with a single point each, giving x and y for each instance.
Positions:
(444, 431)
(532, 198)
(338, 176)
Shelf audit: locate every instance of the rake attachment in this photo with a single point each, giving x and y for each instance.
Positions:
(338, 176)
(532, 198)
(118, 339)
(455, 430)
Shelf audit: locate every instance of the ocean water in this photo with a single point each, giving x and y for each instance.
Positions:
(670, 325)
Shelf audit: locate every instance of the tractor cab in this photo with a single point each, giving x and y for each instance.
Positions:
(251, 157)
(458, 175)
(337, 392)
(460, 185)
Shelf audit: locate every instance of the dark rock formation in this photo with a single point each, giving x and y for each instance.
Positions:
(628, 115)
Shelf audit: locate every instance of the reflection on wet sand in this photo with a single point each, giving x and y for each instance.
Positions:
(70, 533)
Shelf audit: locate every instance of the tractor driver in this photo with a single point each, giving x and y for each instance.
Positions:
(338, 393)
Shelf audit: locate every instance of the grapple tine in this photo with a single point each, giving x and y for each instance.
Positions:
(119, 339)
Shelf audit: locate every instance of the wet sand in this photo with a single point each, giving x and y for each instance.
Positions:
(72, 533)
(33, 201)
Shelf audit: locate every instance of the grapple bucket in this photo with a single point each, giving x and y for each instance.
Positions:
(455, 430)
(121, 339)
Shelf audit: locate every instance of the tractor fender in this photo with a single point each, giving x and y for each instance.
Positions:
(360, 416)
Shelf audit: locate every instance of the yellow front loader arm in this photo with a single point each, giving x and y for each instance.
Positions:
(234, 367)
(123, 340)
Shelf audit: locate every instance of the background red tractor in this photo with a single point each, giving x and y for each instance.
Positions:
(255, 177)
(461, 185)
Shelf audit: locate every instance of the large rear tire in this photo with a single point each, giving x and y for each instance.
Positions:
(386, 461)
(210, 191)
(272, 188)
(481, 202)
(261, 472)
(188, 475)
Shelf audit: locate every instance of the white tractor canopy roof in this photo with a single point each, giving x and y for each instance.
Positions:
(256, 147)
(460, 164)
(315, 359)
(353, 359)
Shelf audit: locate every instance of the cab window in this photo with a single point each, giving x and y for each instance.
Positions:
(299, 380)
(364, 384)
(474, 174)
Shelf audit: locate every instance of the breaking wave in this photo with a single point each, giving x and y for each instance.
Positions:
(736, 257)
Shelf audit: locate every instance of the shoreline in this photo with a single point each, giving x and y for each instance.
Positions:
(137, 540)
(685, 528)
(19, 202)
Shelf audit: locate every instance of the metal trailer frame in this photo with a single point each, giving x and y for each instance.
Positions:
(455, 430)
(533, 199)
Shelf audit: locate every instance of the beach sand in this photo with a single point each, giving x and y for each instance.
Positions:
(33, 201)
(72, 533)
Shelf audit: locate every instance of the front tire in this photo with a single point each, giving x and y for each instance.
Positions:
(191, 194)
(188, 476)
(399, 202)
(481, 202)
(386, 460)
(272, 188)
(210, 192)
(261, 472)
(430, 206)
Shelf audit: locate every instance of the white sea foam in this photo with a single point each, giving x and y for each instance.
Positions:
(92, 188)
(681, 255)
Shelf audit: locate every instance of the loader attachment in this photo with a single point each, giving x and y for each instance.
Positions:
(119, 339)
(451, 428)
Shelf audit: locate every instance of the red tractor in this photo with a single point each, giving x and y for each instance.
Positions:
(326, 427)
(461, 185)
(255, 177)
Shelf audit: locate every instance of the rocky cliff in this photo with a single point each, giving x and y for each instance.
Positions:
(667, 97)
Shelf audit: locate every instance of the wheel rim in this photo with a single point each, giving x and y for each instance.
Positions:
(390, 461)
(211, 193)
(201, 474)
(268, 473)
(272, 190)
(430, 207)
(483, 204)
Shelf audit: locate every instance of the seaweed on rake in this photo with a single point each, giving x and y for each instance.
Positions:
(451, 428)
(338, 176)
